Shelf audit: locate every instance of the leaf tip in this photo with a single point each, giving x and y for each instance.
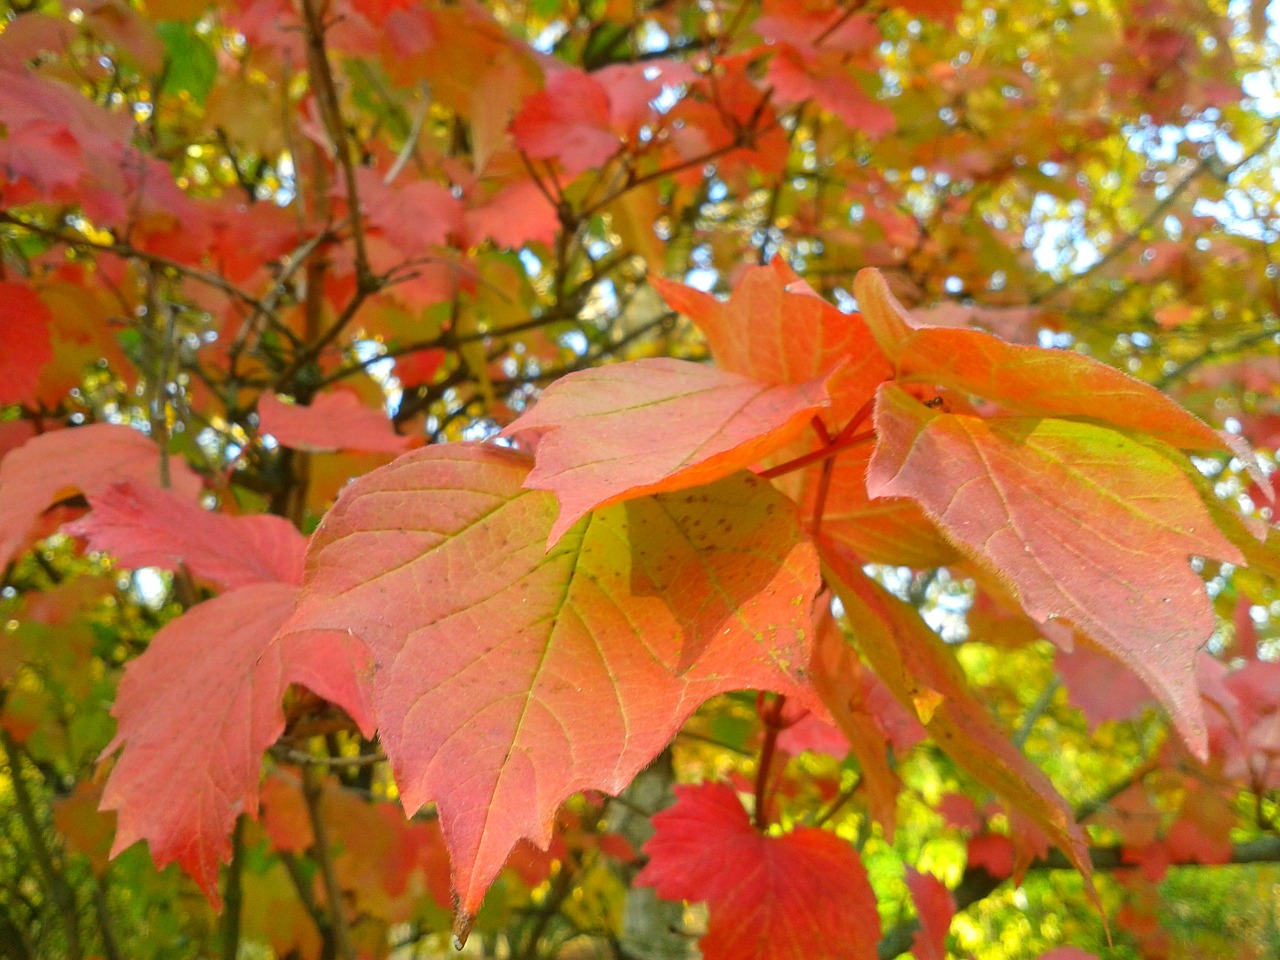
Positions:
(461, 927)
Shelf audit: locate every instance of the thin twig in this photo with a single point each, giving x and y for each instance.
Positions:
(233, 898)
(331, 113)
(313, 793)
(771, 719)
(129, 252)
(289, 755)
(60, 892)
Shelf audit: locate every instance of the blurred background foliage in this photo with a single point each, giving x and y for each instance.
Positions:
(1096, 175)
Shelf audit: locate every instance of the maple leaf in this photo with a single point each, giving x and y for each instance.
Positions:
(632, 87)
(517, 215)
(333, 421)
(413, 215)
(650, 426)
(24, 342)
(923, 674)
(1024, 380)
(843, 684)
(284, 814)
(569, 122)
(797, 78)
(87, 829)
(159, 528)
(197, 710)
(774, 328)
(935, 906)
(87, 460)
(1100, 686)
(1084, 523)
(802, 894)
(487, 673)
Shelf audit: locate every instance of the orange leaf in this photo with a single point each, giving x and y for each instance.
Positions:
(923, 673)
(1032, 381)
(650, 426)
(1084, 523)
(841, 681)
(484, 671)
(774, 328)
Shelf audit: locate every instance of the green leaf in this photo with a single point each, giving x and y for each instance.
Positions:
(190, 66)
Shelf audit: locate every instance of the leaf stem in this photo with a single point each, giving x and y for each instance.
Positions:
(817, 456)
(233, 898)
(838, 803)
(771, 718)
(820, 498)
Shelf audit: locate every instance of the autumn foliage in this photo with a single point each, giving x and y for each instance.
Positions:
(638, 479)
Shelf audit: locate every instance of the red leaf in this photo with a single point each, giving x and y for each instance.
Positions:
(1101, 687)
(158, 528)
(568, 121)
(923, 674)
(485, 671)
(803, 894)
(87, 460)
(517, 215)
(14, 433)
(960, 812)
(1086, 524)
(935, 906)
(796, 78)
(993, 852)
(651, 426)
(774, 328)
(24, 342)
(197, 710)
(420, 367)
(812, 734)
(631, 88)
(333, 421)
(413, 215)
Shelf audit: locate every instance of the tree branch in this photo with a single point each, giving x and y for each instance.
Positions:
(313, 793)
(331, 113)
(133, 253)
(977, 884)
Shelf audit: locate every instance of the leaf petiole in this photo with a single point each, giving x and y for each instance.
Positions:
(817, 456)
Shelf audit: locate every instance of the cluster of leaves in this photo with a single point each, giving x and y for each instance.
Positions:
(469, 468)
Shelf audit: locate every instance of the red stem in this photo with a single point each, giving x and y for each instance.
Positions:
(817, 456)
(820, 499)
(772, 720)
